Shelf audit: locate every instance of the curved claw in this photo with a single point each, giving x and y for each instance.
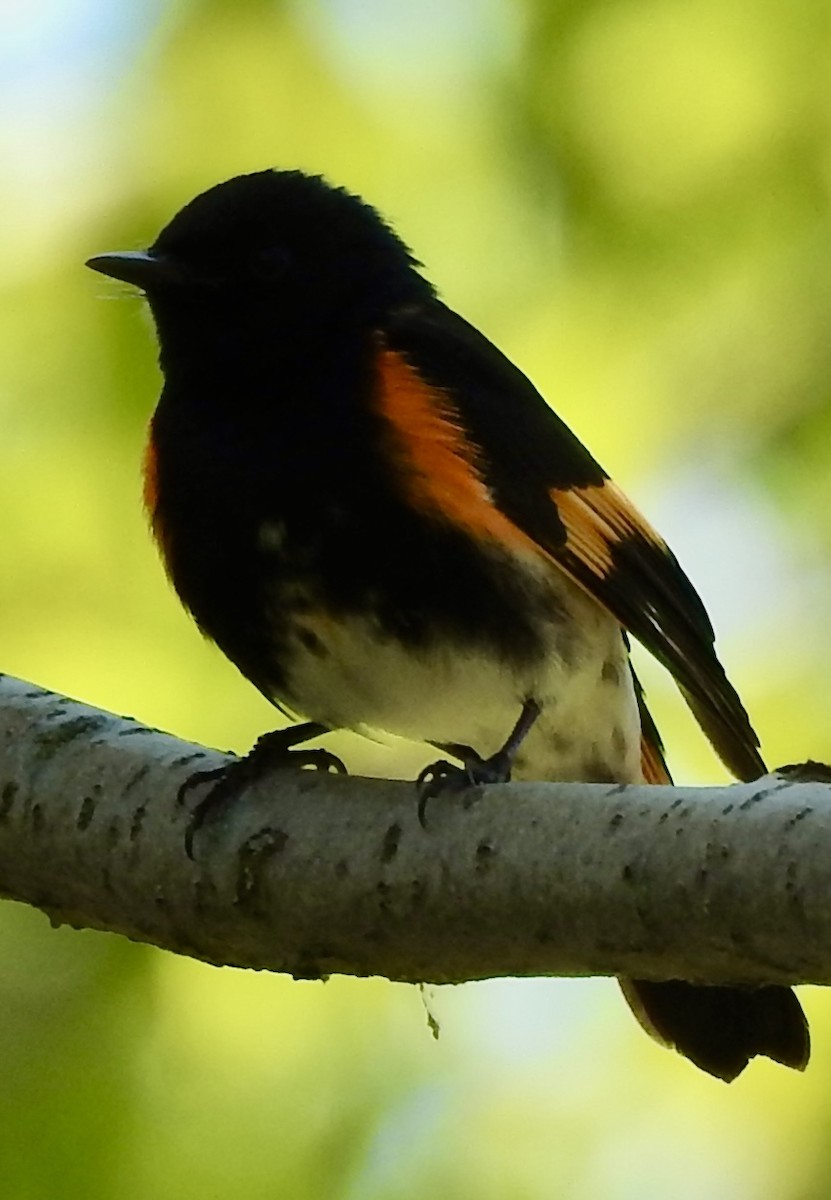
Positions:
(443, 776)
(194, 780)
(438, 777)
(273, 751)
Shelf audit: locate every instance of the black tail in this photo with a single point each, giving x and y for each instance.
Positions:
(721, 1028)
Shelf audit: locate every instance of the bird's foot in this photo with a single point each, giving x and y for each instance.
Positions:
(271, 752)
(442, 776)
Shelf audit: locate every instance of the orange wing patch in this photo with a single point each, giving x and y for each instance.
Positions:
(598, 518)
(443, 477)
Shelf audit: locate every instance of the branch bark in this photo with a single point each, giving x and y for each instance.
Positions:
(314, 874)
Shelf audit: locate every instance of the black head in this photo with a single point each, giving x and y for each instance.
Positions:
(278, 246)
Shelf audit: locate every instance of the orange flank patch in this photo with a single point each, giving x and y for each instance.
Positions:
(653, 767)
(150, 473)
(598, 518)
(443, 477)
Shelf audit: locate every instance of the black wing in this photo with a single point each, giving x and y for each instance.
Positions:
(545, 482)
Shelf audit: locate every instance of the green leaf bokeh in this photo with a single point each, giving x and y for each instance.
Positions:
(632, 198)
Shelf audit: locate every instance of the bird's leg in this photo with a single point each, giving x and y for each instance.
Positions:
(443, 776)
(270, 752)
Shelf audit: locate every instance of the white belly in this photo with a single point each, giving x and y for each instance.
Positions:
(347, 674)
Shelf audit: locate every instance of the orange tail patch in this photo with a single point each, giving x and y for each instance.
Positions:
(653, 767)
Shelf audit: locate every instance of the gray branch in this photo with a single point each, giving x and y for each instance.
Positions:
(314, 874)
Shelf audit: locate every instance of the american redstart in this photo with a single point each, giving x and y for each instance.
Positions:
(381, 522)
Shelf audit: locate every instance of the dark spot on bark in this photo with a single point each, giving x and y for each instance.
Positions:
(113, 832)
(676, 804)
(341, 869)
(391, 840)
(610, 672)
(137, 778)
(7, 798)
(627, 874)
(62, 733)
(184, 759)
(137, 821)
(88, 806)
(797, 817)
(616, 820)
(702, 874)
(383, 889)
(728, 808)
(254, 855)
(132, 729)
(751, 800)
(38, 821)
(204, 895)
(484, 855)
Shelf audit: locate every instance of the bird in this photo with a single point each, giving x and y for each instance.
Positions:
(381, 522)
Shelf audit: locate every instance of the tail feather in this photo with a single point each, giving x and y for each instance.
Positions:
(718, 1028)
(721, 1028)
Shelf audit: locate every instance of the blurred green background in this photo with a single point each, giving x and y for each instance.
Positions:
(633, 199)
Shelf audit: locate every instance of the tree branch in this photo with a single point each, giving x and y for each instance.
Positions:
(314, 874)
